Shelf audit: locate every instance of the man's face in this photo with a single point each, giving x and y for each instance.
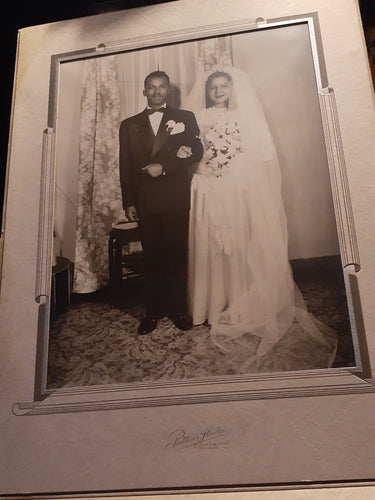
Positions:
(156, 91)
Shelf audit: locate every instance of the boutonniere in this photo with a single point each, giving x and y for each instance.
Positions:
(174, 128)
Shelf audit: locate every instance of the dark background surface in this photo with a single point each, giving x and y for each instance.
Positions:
(17, 15)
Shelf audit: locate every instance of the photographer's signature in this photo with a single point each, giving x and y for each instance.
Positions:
(212, 437)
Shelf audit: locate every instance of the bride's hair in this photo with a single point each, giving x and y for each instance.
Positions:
(216, 74)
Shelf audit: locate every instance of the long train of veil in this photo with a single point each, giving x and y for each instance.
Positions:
(267, 303)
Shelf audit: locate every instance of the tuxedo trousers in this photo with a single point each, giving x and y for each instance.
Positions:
(164, 240)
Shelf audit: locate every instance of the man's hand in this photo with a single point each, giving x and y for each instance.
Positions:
(184, 152)
(153, 169)
(131, 213)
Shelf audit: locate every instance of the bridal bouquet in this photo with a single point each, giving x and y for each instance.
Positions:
(223, 142)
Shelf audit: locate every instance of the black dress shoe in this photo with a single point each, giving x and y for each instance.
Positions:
(182, 322)
(147, 325)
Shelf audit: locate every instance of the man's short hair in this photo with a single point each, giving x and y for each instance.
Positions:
(156, 74)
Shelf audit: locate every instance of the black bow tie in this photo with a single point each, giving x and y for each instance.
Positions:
(152, 111)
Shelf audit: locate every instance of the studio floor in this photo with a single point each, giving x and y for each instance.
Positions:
(95, 341)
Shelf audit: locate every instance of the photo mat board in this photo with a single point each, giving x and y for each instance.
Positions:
(82, 169)
(228, 409)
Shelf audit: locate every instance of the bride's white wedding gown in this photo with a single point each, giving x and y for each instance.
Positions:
(240, 280)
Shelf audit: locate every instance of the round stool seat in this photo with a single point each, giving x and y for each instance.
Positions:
(128, 231)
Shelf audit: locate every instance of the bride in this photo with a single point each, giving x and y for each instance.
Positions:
(240, 280)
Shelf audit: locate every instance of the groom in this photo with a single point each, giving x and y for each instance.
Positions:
(157, 147)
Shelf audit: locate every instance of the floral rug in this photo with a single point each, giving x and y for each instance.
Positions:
(95, 340)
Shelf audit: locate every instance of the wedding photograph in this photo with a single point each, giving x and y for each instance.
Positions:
(188, 252)
(194, 223)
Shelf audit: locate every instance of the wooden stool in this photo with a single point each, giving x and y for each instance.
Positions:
(61, 286)
(123, 264)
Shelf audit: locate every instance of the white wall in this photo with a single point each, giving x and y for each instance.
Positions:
(280, 64)
(67, 157)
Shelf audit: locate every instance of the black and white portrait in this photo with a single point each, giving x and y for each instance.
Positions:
(188, 256)
(194, 217)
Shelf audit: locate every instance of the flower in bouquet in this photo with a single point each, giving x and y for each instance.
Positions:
(223, 143)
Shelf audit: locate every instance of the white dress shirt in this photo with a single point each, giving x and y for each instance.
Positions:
(155, 119)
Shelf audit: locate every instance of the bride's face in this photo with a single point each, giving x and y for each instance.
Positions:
(219, 91)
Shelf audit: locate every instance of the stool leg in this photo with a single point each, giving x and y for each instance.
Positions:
(114, 263)
(110, 261)
(118, 263)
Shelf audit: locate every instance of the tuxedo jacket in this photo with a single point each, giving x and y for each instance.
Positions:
(169, 192)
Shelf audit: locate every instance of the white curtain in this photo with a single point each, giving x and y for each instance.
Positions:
(179, 61)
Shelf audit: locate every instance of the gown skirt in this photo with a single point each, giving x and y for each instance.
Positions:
(240, 280)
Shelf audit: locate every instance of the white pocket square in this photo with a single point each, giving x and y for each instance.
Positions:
(175, 128)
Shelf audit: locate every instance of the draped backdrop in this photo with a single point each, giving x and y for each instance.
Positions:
(98, 201)
(111, 91)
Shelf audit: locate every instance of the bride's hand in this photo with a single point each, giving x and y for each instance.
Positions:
(184, 152)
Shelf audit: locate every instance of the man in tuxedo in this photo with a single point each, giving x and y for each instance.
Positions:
(157, 148)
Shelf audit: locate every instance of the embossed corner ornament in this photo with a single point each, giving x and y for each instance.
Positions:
(339, 181)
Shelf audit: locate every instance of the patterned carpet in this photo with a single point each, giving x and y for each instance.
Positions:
(95, 340)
